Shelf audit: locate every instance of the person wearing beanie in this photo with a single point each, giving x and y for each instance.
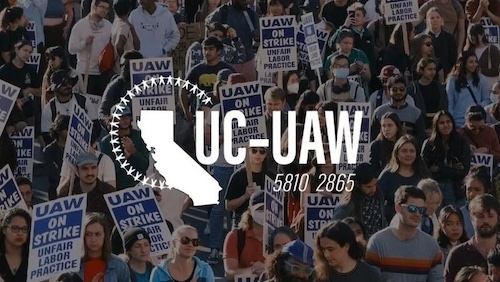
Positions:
(293, 263)
(364, 202)
(137, 254)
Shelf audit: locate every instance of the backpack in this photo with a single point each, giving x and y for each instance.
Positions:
(241, 238)
(80, 99)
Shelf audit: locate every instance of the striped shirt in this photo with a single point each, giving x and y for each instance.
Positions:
(415, 260)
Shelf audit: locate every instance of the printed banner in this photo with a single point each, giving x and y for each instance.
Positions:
(321, 36)
(310, 37)
(364, 136)
(246, 98)
(137, 207)
(483, 159)
(401, 11)
(491, 31)
(78, 140)
(246, 278)
(8, 96)
(278, 50)
(10, 195)
(24, 142)
(274, 207)
(319, 212)
(31, 28)
(34, 61)
(56, 237)
(157, 96)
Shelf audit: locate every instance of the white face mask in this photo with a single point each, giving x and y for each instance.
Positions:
(293, 88)
(258, 217)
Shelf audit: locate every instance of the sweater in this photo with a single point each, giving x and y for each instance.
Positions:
(417, 259)
(158, 32)
(459, 101)
(78, 47)
(202, 272)
(487, 137)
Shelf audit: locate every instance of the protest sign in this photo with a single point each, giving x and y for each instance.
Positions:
(364, 136)
(157, 96)
(10, 196)
(246, 278)
(401, 11)
(190, 33)
(321, 36)
(8, 96)
(274, 207)
(278, 51)
(319, 212)
(32, 36)
(24, 143)
(483, 159)
(34, 61)
(246, 98)
(491, 31)
(310, 41)
(137, 207)
(56, 237)
(79, 133)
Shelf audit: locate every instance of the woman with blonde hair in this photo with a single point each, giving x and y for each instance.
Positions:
(182, 264)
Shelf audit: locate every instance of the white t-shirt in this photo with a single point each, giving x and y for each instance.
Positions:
(63, 109)
(105, 169)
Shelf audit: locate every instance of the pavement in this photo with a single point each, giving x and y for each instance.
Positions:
(195, 216)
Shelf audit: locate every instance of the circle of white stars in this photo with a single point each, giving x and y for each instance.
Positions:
(193, 89)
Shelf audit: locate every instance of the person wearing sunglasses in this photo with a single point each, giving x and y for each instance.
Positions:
(182, 264)
(293, 263)
(14, 245)
(481, 138)
(337, 256)
(484, 211)
(394, 249)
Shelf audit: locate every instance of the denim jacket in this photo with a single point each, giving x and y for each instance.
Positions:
(202, 273)
(116, 270)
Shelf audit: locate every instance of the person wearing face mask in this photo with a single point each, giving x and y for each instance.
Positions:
(490, 109)
(339, 88)
(243, 246)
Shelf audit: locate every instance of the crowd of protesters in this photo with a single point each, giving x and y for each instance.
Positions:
(418, 210)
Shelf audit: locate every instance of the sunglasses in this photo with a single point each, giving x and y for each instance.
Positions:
(414, 209)
(260, 151)
(186, 241)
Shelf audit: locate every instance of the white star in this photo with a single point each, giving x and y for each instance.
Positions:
(186, 85)
(153, 81)
(116, 115)
(113, 132)
(124, 101)
(130, 94)
(145, 84)
(207, 100)
(120, 157)
(137, 89)
(178, 81)
(153, 182)
(162, 184)
(116, 149)
(170, 80)
(130, 171)
(137, 176)
(162, 80)
(113, 124)
(145, 180)
(120, 108)
(194, 88)
(114, 141)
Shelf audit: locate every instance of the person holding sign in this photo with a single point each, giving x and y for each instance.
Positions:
(182, 264)
(14, 245)
(337, 256)
(97, 260)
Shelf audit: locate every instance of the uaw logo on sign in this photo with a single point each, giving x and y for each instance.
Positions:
(491, 31)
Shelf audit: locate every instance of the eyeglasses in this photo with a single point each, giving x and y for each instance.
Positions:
(16, 229)
(414, 209)
(396, 89)
(187, 240)
(428, 44)
(260, 151)
(299, 268)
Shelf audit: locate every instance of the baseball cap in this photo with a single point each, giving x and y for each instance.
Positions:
(299, 251)
(223, 74)
(388, 71)
(133, 235)
(61, 76)
(86, 158)
(126, 110)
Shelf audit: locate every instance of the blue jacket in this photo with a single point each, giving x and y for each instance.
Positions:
(116, 270)
(202, 273)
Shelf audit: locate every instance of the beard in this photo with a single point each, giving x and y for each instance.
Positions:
(486, 232)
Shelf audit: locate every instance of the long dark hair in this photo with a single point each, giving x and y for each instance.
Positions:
(436, 136)
(6, 220)
(480, 173)
(364, 174)
(10, 15)
(459, 71)
(444, 214)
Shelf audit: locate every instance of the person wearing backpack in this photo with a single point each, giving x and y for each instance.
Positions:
(382, 96)
(243, 250)
(62, 103)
